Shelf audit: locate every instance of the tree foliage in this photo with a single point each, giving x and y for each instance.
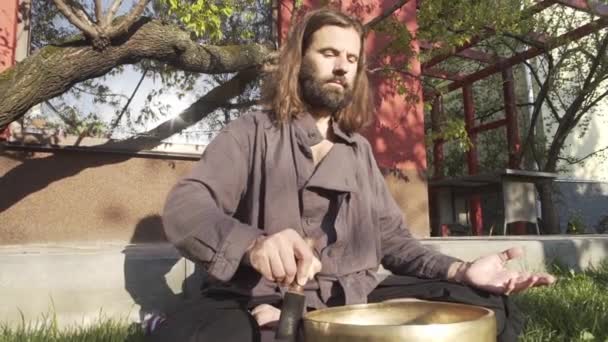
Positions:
(442, 24)
(569, 85)
(131, 111)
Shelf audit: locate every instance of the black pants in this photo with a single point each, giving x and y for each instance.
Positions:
(228, 320)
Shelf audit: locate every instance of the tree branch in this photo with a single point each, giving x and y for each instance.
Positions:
(240, 105)
(553, 109)
(538, 103)
(536, 77)
(370, 24)
(218, 97)
(563, 59)
(102, 32)
(535, 154)
(124, 109)
(111, 13)
(589, 85)
(84, 133)
(126, 23)
(77, 88)
(556, 94)
(601, 55)
(570, 120)
(393, 69)
(53, 69)
(66, 10)
(98, 12)
(482, 116)
(67, 120)
(572, 161)
(80, 12)
(592, 104)
(526, 41)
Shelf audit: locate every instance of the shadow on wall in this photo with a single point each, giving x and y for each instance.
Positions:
(6, 39)
(156, 276)
(34, 174)
(584, 205)
(397, 133)
(590, 148)
(62, 164)
(576, 253)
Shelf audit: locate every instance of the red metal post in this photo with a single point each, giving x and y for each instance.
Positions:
(469, 121)
(472, 162)
(436, 114)
(489, 126)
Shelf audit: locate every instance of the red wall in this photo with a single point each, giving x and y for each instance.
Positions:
(397, 134)
(8, 40)
(8, 32)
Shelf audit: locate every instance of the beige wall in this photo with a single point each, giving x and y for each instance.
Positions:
(409, 189)
(72, 196)
(76, 196)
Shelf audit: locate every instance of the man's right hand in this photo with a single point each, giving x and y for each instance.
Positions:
(283, 257)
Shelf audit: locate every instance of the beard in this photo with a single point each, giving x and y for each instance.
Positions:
(317, 94)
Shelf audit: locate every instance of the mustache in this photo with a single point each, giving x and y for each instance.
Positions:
(338, 79)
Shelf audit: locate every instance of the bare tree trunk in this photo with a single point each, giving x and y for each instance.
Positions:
(550, 223)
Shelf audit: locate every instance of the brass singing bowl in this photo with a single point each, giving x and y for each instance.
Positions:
(403, 321)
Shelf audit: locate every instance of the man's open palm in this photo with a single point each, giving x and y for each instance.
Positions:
(491, 274)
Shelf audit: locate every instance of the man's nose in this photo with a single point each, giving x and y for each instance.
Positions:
(340, 66)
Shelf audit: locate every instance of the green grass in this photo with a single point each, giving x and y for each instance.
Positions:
(574, 309)
(46, 330)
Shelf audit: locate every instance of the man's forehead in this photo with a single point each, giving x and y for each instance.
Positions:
(336, 37)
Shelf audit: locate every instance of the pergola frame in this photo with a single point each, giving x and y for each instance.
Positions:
(539, 44)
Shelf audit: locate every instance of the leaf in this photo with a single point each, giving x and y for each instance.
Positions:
(587, 336)
(227, 11)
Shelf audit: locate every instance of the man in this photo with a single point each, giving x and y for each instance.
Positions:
(298, 172)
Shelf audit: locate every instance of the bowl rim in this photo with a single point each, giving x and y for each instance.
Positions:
(489, 314)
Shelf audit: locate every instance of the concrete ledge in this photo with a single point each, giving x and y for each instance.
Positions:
(573, 251)
(80, 282)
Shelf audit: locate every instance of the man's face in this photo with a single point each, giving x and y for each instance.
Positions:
(329, 67)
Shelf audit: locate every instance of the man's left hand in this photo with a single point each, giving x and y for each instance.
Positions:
(491, 274)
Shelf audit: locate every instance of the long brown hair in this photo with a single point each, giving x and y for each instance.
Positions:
(281, 90)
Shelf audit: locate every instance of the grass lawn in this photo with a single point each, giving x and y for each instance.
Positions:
(575, 309)
(104, 331)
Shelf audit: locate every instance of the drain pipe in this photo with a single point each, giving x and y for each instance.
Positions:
(530, 95)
